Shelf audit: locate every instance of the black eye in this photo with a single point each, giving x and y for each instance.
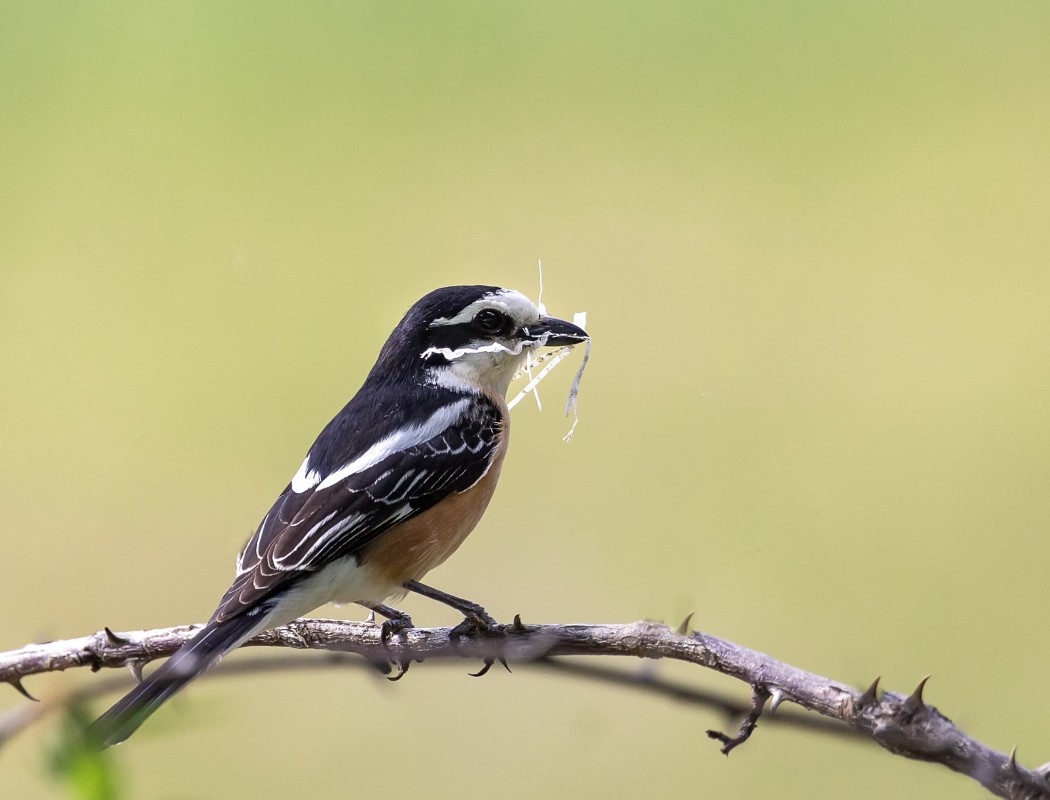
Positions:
(489, 320)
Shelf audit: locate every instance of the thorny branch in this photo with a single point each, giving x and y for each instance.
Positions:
(906, 726)
(759, 695)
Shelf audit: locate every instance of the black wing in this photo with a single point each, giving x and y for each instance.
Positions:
(307, 530)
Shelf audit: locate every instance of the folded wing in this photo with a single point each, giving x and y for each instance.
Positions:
(335, 515)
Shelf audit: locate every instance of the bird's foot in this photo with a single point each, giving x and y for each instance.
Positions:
(396, 622)
(478, 622)
(394, 625)
(475, 620)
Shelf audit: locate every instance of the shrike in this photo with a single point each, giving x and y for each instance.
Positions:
(388, 491)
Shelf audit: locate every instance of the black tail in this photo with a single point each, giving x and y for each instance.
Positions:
(201, 652)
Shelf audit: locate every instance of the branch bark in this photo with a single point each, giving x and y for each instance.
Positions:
(904, 725)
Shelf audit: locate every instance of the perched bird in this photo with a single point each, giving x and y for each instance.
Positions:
(389, 490)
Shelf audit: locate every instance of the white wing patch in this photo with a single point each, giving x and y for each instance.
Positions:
(407, 437)
(306, 478)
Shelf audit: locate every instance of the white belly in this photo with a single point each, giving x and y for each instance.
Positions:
(342, 581)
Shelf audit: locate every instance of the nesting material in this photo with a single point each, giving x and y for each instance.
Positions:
(550, 360)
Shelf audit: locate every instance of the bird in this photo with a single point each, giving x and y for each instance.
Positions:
(389, 489)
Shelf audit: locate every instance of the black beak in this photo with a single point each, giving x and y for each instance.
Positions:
(556, 332)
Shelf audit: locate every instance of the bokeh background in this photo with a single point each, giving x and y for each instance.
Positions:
(813, 240)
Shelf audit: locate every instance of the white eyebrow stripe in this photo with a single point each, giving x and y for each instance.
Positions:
(517, 305)
(305, 478)
(407, 437)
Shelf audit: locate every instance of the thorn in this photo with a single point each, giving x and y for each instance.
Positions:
(113, 639)
(1012, 763)
(517, 625)
(914, 702)
(484, 668)
(135, 668)
(683, 626)
(778, 696)
(17, 683)
(871, 694)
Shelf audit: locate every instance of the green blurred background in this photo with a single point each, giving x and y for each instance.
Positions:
(813, 240)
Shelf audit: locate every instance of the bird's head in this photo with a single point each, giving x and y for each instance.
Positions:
(472, 338)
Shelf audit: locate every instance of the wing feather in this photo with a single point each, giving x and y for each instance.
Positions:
(304, 531)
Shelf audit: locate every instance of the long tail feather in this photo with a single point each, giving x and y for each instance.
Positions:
(202, 651)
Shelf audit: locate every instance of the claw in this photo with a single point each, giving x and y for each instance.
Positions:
(487, 665)
(476, 622)
(396, 622)
(392, 627)
(485, 625)
(484, 621)
(475, 619)
(402, 669)
(459, 631)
